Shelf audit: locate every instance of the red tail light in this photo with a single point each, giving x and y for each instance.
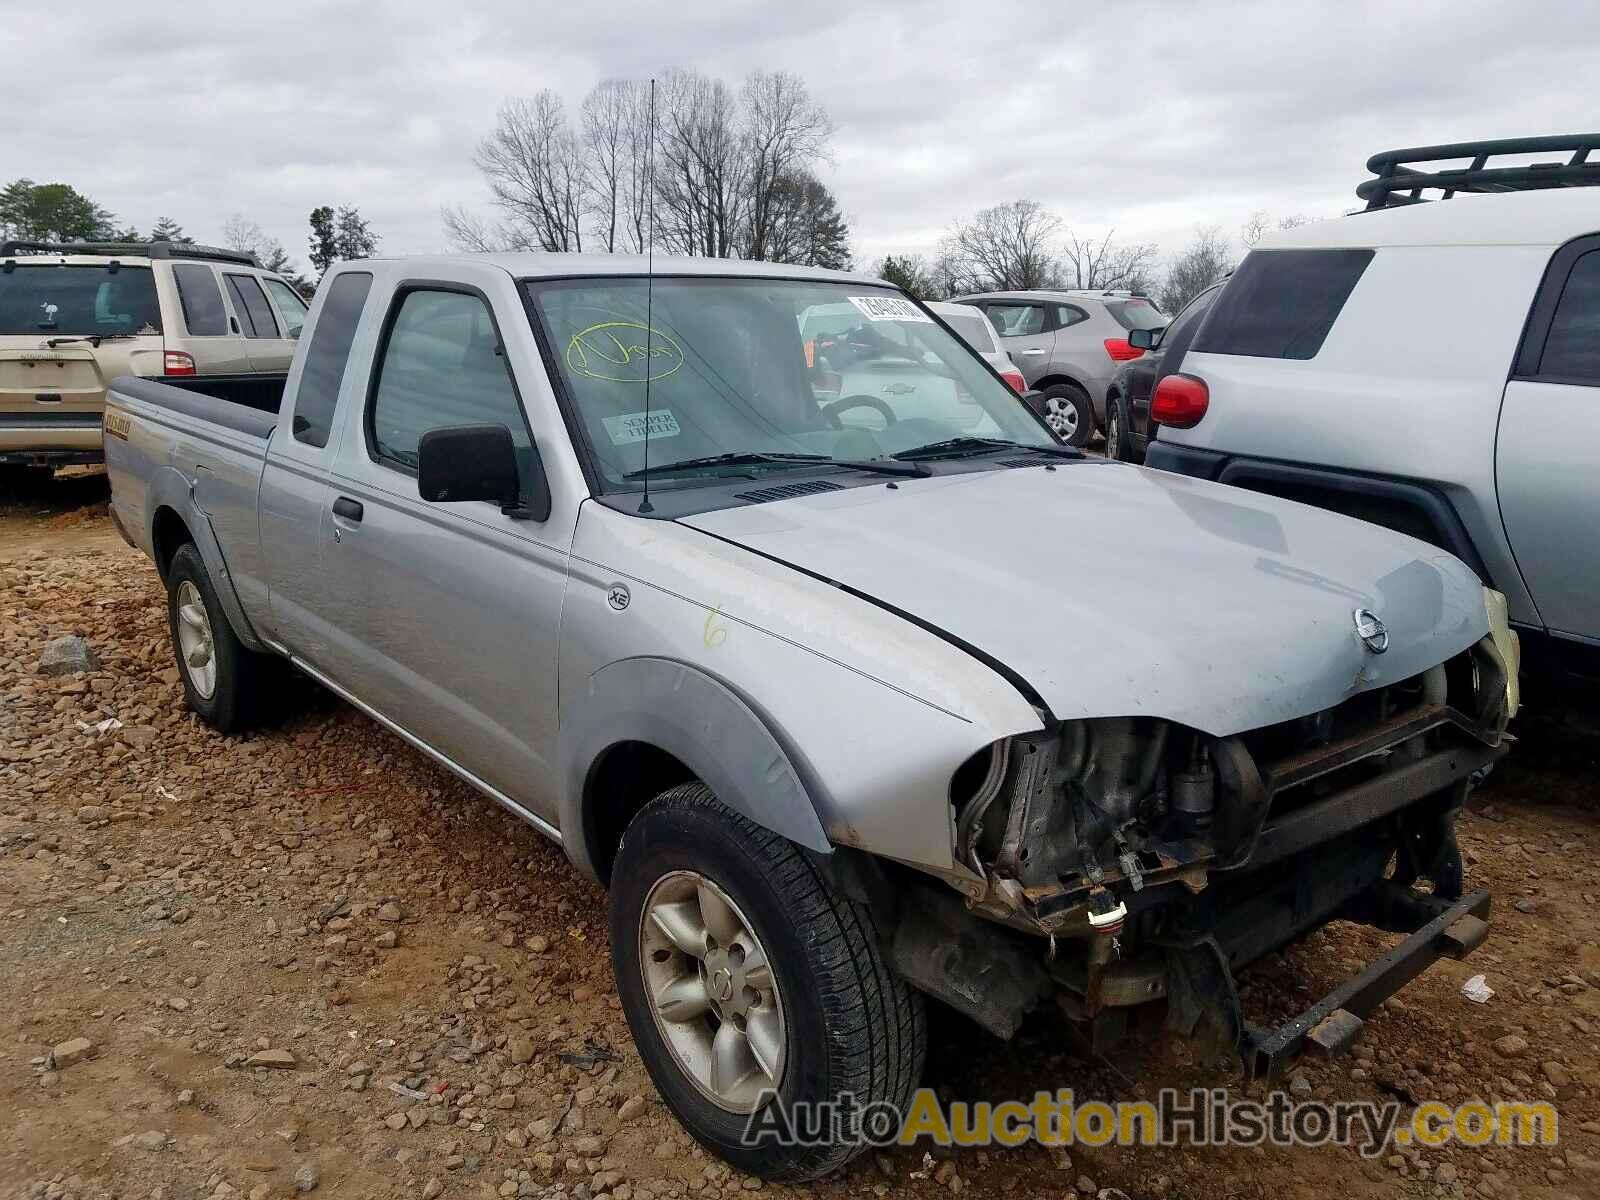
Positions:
(1015, 379)
(1121, 350)
(176, 362)
(1180, 401)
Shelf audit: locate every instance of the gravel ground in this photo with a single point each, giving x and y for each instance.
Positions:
(308, 960)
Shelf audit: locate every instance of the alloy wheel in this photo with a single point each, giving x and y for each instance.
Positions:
(712, 991)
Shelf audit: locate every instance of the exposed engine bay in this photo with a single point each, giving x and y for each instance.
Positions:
(1155, 859)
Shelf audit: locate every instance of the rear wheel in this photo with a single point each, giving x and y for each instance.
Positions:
(1069, 414)
(1116, 430)
(747, 982)
(223, 680)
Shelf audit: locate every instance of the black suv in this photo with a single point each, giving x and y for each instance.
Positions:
(1128, 429)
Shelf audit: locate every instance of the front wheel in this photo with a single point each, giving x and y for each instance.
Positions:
(747, 983)
(1069, 414)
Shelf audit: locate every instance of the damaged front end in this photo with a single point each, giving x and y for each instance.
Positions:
(1156, 860)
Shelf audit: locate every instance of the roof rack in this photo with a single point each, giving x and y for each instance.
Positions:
(1111, 293)
(156, 249)
(1400, 181)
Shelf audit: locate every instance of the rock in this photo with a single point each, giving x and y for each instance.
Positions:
(538, 943)
(140, 737)
(68, 656)
(1300, 1085)
(418, 1116)
(521, 1048)
(72, 1051)
(1525, 904)
(307, 1178)
(389, 911)
(1086, 1185)
(387, 940)
(150, 1139)
(279, 1059)
(396, 1121)
(1512, 1045)
(90, 813)
(1111, 1193)
(631, 1108)
(178, 1004)
(431, 1189)
(1558, 1075)
(1445, 1173)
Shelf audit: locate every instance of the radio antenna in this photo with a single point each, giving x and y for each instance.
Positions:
(649, 293)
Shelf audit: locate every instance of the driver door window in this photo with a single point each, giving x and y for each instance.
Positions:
(442, 365)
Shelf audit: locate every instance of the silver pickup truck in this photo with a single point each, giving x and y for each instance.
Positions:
(795, 689)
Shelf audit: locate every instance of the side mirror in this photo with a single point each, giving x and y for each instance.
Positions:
(1143, 339)
(479, 462)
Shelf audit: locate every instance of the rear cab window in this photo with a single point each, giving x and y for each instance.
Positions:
(1282, 303)
(326, 354)
(201, 300)
(78, 300)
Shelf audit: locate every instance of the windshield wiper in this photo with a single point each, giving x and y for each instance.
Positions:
(756, 458)
(960, 447)
(94, 339)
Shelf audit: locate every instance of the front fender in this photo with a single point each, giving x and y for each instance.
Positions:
(169, 489)
(698, 720)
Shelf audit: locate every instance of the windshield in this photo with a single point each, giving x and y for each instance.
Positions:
(54, 300)
(767, 366)
(1136, 314)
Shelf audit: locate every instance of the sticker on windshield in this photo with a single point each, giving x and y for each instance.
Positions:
(630, 427)
(889, 308)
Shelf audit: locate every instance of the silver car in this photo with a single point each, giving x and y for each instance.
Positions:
(793, 685)
(1068, 346)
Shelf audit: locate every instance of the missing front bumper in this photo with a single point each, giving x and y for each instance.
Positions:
(1332, 1024)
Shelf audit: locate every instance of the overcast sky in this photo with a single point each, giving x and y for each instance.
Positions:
(1148, 117)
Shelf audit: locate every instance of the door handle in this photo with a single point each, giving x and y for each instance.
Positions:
(1034, 350)
(347, 508)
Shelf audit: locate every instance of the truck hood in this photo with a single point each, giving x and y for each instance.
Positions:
(1113, 590)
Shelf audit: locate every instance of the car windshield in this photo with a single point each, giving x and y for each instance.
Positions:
(55, 300)
(1136, 314)
(763, 366)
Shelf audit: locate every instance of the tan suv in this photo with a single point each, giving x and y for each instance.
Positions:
(74, 316)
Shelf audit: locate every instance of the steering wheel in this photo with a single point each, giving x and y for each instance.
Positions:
(831, 411)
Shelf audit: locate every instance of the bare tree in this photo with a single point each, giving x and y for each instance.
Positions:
(1107, 264)
(1207, 259)
(1005, 247)
(700, 173)
(536, 171)
(468, 232)
(1260, 224)
(241, 233)
(784, 129)
(614, 122)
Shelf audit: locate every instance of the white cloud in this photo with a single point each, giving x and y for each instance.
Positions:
(1149, 117)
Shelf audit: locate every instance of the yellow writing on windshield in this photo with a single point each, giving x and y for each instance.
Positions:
(623, 352)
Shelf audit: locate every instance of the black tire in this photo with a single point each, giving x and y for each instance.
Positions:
(1080, 425)
(1118, 440)
(852, 1027)
(242, 676)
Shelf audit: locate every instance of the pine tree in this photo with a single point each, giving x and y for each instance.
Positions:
(324, 243)
(168, 230)
(353, 238)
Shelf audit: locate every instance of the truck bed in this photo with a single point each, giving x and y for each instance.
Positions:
(244, 403)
